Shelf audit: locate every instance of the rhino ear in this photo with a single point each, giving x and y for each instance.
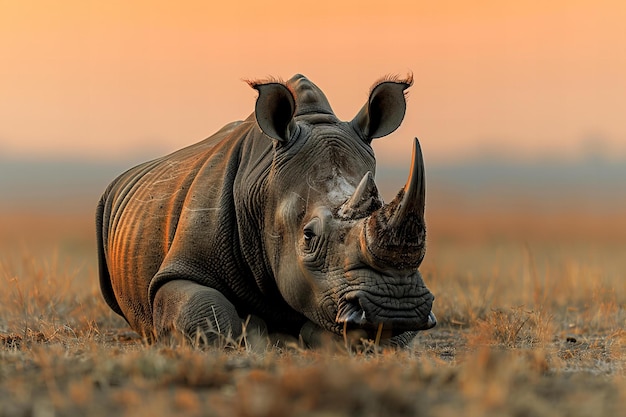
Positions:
(274, 111)
(385, 109)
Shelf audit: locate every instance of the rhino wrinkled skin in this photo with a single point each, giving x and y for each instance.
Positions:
(275, 218)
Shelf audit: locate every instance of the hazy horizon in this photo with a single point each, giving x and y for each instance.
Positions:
(596, 181)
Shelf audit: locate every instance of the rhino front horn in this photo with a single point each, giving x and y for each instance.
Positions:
(395, 234)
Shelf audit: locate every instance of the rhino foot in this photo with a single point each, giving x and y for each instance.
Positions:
(313, 336)
(201, 314)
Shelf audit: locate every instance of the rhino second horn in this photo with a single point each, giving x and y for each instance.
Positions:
(395, 234)
(364, 200)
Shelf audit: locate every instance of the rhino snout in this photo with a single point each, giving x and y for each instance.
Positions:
(362, 309)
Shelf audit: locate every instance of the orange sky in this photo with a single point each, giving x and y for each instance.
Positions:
(117, 78)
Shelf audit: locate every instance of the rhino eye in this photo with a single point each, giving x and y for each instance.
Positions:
(309, 234)
(310, 230)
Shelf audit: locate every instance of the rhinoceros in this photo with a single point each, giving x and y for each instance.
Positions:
(275, 218)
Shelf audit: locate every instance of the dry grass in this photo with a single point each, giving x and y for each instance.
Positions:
(530, 325)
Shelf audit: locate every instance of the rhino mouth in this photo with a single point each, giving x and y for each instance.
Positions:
(359, 311)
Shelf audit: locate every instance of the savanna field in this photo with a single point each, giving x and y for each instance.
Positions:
(530, 307)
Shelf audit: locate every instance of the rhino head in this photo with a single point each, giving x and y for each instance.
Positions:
(339, 255)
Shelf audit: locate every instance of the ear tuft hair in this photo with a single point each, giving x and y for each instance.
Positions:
(254, 83)
(394, 78)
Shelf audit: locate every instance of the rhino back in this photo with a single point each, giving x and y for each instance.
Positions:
(219, 239)
(170, 215)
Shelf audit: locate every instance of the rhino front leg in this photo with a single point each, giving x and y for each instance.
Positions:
(202, 314)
